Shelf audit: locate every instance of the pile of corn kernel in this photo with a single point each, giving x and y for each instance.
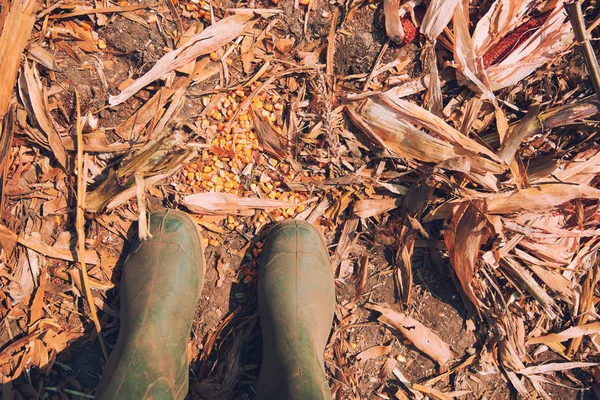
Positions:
(225, 167)
(250, 268)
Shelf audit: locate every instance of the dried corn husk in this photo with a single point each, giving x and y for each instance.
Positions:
(438, 15)
(494, 31)
(570, 333)
(388, 123)
(393, 25)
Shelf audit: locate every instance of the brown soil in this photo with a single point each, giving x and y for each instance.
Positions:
(234, 363)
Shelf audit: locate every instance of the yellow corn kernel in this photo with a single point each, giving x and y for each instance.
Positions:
(213, 56)
(240, 93)
(213, 242)
(278, 106)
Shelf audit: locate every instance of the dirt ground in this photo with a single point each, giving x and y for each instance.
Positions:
(227, 321)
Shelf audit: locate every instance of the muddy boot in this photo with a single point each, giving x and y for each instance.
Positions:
(296, 299)
(160, 287)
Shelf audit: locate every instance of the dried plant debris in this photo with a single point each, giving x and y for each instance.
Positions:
(453, 171)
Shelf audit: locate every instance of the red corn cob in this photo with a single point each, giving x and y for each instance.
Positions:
(504, 47)
(410, 30)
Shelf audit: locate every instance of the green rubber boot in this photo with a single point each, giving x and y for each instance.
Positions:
(296, 300)
(160, 287)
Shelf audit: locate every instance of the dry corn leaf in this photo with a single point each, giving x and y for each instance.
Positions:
(132, 127)
(526, 281)
(374, 352)
(537, 199)
(582, 168)
(420, 117)
(209, 40)
(42, 56)
(30, 89)
(15, 34)
(533, 200)
(553, 367)
(33, 243)
(464, 54)
(83, 38)
(570, 333)
(269, 140)
(555, 281)
(225, 203)
(8, 239)
(26, 274)
(36, 311)
(438, 15)
(413, 205)
(422, 337)
(393, 23)
(7, 130)
(524, 129)
(385, 124)
(156, 160)
(463, 240)
(371, 207)
(431, 392)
